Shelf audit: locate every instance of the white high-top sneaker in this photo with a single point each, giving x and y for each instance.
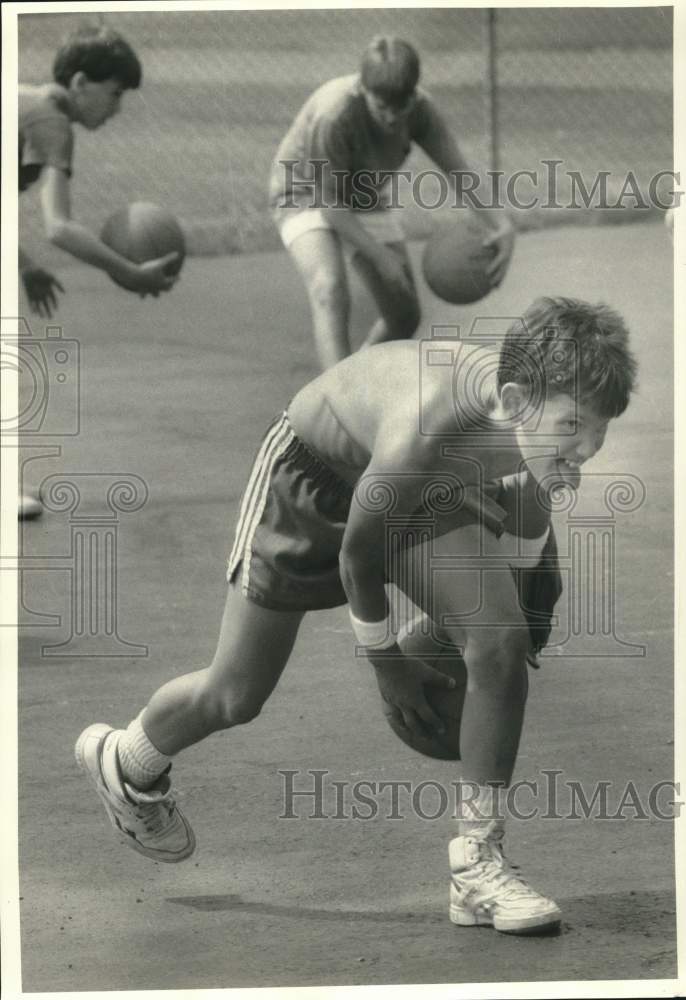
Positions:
(485, 890)
(150, 821)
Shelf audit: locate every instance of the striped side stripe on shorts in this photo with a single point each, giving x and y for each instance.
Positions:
(276, 441)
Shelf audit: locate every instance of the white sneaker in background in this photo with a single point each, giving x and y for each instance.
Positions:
(29, 507)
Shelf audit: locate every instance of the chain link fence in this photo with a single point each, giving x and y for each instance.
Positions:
(591, 87)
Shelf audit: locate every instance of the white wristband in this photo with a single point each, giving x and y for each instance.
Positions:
(374, 634)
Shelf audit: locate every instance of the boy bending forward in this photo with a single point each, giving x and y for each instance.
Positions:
(92, 70)
(500, 432)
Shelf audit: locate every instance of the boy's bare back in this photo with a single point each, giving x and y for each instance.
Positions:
(388, 400)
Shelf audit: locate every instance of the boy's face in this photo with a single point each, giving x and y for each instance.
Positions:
(95, 101)
(565, 436)
(388, 116)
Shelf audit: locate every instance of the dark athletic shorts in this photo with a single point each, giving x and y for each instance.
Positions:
(290, 529)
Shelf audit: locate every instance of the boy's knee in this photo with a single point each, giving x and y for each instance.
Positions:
(238, 713)
(409, 322)
(405, 320)
(329, 290)
(225, 709)
(497, 658)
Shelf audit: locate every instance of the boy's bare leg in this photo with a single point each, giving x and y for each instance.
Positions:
(400, 313)
(319, 258)
(128, 767)
(495, 643)
(253, 648)
(484, 889)
(495, 651)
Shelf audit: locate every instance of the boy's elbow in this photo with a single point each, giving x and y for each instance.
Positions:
(345, 567)
(355, 564)
(56, 230)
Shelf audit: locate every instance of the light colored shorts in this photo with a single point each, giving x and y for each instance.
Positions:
(383, 225)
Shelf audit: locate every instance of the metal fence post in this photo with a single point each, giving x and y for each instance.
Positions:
(492, 88)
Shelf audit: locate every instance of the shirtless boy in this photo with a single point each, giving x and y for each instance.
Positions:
(310, 536)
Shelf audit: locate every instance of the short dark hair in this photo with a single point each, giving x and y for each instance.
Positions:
(390, 69)
(570, 346)
(99, 52)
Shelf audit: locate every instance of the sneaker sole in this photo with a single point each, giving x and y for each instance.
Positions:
(530, 925)
(91, 769)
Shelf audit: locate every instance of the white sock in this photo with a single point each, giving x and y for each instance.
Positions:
(481, 810)
(140, 761)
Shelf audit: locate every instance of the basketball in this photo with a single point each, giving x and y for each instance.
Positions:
(455, 262)
(143, 231)
(447, 704)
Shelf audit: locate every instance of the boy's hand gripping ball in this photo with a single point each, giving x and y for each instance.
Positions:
(445, 703)
(455, 262)
(142, 232)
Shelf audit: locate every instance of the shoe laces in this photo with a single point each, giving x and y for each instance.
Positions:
(499, 876)
(155, 816)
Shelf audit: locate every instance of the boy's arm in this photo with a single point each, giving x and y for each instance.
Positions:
(390, 481)
(79, 241)
(363, 556)
(437, 141)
